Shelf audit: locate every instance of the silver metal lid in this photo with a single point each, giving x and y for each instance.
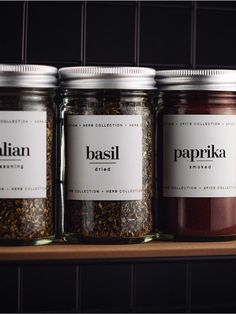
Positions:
(91, 77)
(28, 75)
(212, 79)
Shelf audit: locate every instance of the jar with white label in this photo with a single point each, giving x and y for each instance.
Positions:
(27, 154)
(107, 157)
(197, 154)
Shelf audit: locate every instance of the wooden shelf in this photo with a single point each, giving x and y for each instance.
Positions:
(74, 252)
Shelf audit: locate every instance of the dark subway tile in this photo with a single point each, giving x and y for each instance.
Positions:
(213, 309)
(8, 288)
(106, 288)
(110, 33)
(217, 4)
(167, 3)
(11, 25)
(54, 32)
(160, 287)
(215, 43)
(213, 286)
(165, 35)
(48, 288)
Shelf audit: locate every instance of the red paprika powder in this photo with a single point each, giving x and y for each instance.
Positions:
(196, 154)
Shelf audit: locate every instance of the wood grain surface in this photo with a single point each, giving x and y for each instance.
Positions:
(89, 252)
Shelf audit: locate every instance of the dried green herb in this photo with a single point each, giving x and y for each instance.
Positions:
(31, 219)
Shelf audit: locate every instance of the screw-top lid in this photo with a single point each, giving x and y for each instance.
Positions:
(212, 79)
(91, 77)
(28, 75)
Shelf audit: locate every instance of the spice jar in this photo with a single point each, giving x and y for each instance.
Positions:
(26, 154)
(107, 163)
(197, 154)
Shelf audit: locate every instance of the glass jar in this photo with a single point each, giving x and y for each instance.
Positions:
(197, 154)
(27, 154)
(107, 155)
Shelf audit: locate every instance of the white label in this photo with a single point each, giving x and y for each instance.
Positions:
(104, 157)
(199, 156)
(22, 154)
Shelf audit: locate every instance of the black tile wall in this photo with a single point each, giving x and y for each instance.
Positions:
(168, 3)
(215, 44)
(217, 282)
(165, 35)
(110, 33)
(160, 34)
(54, 32)
(106, 288)
(8, 288)
(217, 4)
(49, 288)
(157, 286)
(160, 287)
(11, 27)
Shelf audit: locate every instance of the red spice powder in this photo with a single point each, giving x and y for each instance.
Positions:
(194, 218)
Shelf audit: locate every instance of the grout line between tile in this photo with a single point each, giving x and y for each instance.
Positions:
(137, 34)
(24, 32)
(193, 34)
(77, 289)
(83, 32)
(133, 290)
(188, 287)
(20, 290)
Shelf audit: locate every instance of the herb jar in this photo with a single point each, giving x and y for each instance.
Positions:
(26, 154)
(197, 154)
(107, 157)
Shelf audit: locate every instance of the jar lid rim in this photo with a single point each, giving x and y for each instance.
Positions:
(103, 77)
(28, 68)
(28, 76)
(197, 79)
(105, 70)
(195, 72)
